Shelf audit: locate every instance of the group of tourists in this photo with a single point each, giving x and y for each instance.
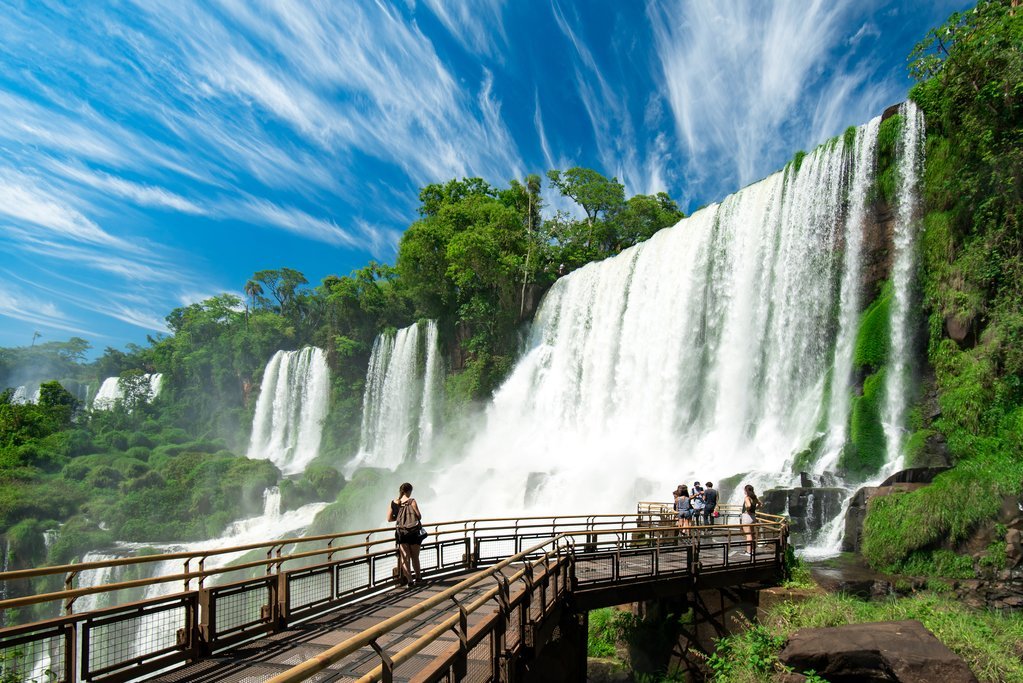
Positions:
(695, 507)
(698, 507)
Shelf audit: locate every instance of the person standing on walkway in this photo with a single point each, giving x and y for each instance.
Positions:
(710, 503)
(748, 516)
(408, 534)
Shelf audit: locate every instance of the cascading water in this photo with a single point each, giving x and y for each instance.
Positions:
(293, 399)
(849, 295)
(110, 391)
(713, 350)
(401, 397)
(21, 396)
(906, 226)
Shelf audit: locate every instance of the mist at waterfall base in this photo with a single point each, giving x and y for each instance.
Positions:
(703, 353)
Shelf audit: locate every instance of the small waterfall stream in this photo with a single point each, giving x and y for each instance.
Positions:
(110, 391)
(293, 399)
(402, 395)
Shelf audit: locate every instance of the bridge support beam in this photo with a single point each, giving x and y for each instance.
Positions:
(562, 655)
(708, 615)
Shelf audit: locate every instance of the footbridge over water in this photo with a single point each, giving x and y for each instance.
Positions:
(503, 600)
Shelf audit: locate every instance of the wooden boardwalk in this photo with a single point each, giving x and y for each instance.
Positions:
(495, 593)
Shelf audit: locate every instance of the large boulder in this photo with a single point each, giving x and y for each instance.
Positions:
(879, 652)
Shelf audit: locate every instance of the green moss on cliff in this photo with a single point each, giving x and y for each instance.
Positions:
(886, 176)
(865, 453)
(872, 338)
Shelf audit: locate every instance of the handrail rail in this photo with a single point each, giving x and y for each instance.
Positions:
(189, 554)
(590, 523)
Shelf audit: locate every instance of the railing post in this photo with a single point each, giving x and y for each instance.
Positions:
(69, 584)
(462, 631)
(386, 663)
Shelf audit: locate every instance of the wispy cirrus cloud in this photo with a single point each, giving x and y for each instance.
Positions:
(22, 200)
(746, 81)
(17, 304)
(639, 163)
(477, 26)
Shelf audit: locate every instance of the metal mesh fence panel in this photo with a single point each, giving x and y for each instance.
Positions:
(309, 589)
(352, 577)
(595, 568)
(35, 659)
(511, 637)
(636, 563)
(383, 568)
(492, 549)
(672, 561)
(480, 665)
(240, 609)
(429, 557)
(453, 555)
(113, 643)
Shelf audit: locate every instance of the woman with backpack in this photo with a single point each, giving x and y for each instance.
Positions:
(408, 534)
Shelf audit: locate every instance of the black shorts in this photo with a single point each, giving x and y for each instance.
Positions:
(408, 538)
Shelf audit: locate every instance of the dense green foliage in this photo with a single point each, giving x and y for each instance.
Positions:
(985, 640)
(477, 259)
(971, 91)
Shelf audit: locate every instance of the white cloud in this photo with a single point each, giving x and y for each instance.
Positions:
(24, 201)
(143, 195)
(738, 75)
(293, 220)
(15, 303)
(475, 25)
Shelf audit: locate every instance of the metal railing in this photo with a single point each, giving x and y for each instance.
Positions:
(528, 563)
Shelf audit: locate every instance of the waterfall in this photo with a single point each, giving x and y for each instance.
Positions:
(401, 397)
(711, 350)
(21, 396)
(110, 391)
(849, 296)
(906, 226)
(293, 401)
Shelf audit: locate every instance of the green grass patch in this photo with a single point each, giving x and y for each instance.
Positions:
(607, 627)
(987, 641)
(947, 510)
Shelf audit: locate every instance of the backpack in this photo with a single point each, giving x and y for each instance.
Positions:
(407, 520)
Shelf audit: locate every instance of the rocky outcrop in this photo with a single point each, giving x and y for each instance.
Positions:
(905, 480)
(808, 508)
(878, 652)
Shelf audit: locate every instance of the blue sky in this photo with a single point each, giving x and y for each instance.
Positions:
(156, 153)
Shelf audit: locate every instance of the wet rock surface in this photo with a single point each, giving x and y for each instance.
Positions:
(808, 508)
(902, 651)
